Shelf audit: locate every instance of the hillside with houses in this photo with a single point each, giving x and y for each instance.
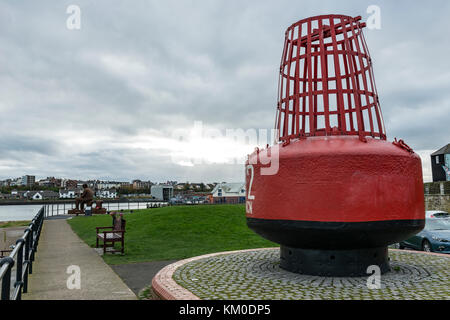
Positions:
(28, 188)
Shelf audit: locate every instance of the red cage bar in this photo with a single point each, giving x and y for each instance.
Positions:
(326, 83)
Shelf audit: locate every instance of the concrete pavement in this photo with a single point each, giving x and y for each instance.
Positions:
(60, 248)
(9, 236)
(138, 276)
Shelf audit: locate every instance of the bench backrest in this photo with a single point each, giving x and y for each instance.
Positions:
(118, 223)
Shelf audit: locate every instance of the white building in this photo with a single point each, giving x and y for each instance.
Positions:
(16, 182)
(103, 185)
(68, 193)
(107, 194)
(162, 192)
(37, 196)
(229, 193)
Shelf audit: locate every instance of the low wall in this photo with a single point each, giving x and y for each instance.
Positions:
(437, 202)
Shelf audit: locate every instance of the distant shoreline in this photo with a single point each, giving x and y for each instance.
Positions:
(38, 202)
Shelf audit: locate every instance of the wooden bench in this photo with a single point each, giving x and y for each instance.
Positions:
(4, 253)
(110, 235)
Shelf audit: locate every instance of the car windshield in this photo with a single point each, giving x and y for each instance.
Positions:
(441, 215)
(437, 224)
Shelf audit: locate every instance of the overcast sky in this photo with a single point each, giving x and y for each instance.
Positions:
(104, 101)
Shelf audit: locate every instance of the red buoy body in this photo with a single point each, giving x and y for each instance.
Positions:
(340, 193)
(342, 181)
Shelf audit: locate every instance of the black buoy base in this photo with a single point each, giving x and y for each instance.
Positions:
(334, 263)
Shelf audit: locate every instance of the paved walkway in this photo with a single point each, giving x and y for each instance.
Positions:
(138, 276)
(59, 247)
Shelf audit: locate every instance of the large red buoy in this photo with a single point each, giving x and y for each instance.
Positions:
(339, 193)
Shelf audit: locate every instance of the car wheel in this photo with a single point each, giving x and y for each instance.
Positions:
(426, 246)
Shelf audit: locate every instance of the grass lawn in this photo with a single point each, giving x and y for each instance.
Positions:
(9, 224)
(176, 232)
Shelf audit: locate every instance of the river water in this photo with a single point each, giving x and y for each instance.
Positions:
(28, 212)
(18, 212)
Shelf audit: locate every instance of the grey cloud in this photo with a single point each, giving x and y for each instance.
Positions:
(213, 61)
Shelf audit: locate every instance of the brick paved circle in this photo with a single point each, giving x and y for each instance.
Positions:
(256, 274)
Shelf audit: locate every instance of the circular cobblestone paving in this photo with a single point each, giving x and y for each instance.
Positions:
(257, 275)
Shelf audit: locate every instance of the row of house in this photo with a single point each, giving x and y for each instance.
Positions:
(53, 182)
(33, 195)
(229, 193)
(74, 193)
(214, 192)
(52, 195)
(196, 187)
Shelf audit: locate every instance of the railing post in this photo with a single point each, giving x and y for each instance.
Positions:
(6, 282)
(19, 268)
(38, 227)
(29, 241)
(27, 261)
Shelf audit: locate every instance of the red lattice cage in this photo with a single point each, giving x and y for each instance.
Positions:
(326, 84)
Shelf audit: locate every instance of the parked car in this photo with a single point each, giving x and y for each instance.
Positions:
(435, 237)
(437, 214)
(175, 201)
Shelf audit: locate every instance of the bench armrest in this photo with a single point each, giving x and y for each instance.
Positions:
(113, 231)
(101, 228)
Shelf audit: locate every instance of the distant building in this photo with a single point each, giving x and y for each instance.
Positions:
(91, 184)
(50, 182)
(68, 193)
(15, 194)
(69, 184)
(107, 194)
(162, 192)
(138, 184)
(440, 164)
(16, 182)
(179, 186)
(107, 185)
(229, 193)
(42, 195)
(28, 180)
(5, 183)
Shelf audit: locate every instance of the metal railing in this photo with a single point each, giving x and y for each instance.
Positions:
(22, 257)
(55, 209)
